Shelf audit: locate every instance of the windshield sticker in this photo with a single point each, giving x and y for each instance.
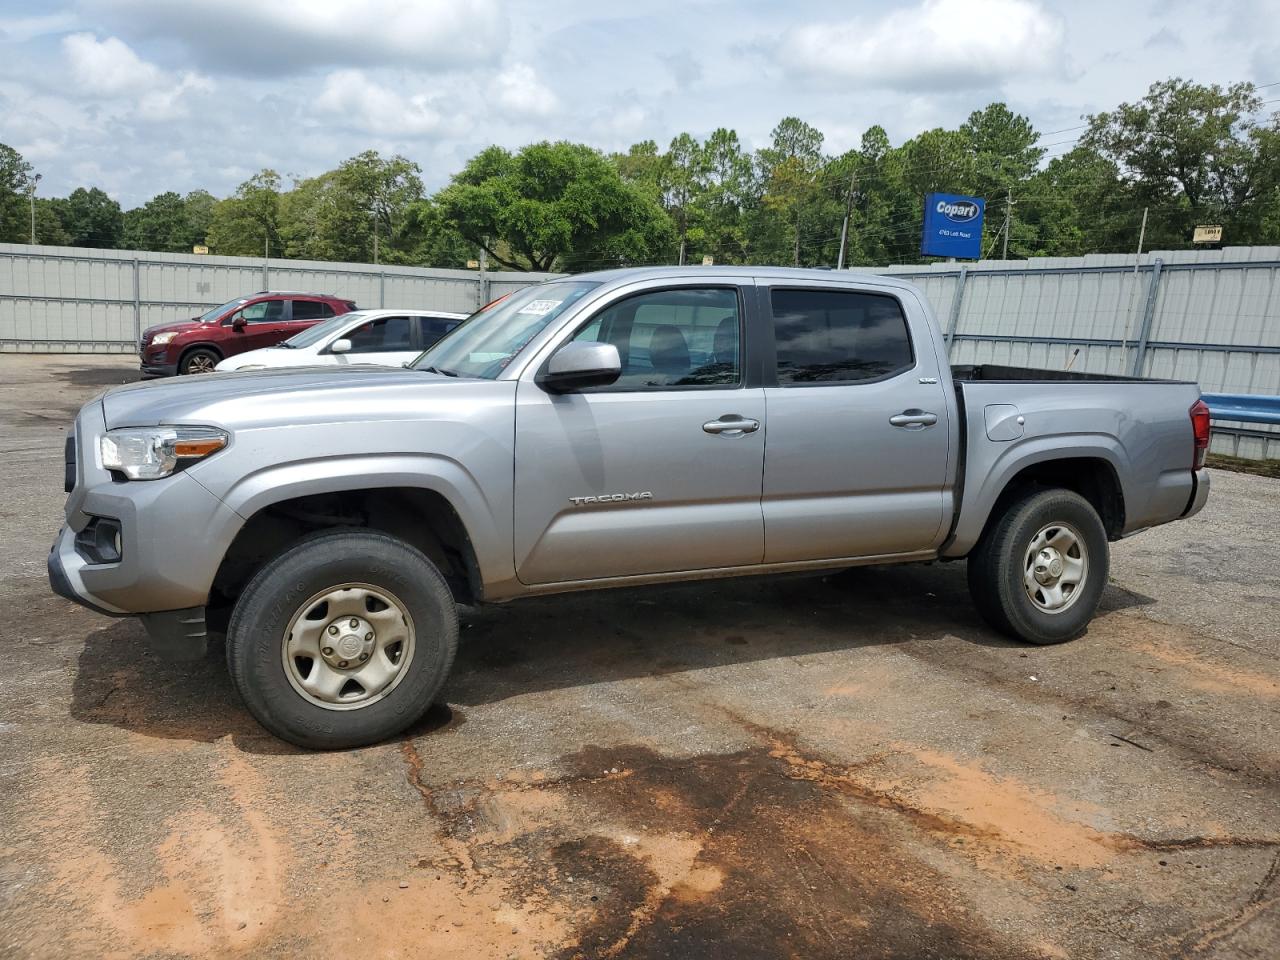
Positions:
(539, 308)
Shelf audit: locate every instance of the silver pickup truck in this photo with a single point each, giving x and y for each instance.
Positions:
(611, 429)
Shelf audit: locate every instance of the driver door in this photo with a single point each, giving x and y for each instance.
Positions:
(662, 470)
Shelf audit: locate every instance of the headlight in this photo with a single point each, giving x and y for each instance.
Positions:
(149, 453)
(160, 339)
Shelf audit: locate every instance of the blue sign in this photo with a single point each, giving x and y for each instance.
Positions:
(952, 226)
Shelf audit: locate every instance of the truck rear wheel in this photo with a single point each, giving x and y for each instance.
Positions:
(1039, 571)
(343, 640)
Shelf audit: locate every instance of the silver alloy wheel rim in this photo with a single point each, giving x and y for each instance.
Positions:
(200, 364)
(1055, 567)
(348, 646)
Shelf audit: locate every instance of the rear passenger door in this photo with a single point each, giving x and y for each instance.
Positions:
(857, 446)
(432, 329)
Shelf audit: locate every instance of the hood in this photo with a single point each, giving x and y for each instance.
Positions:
(182, 326)
(289, 395)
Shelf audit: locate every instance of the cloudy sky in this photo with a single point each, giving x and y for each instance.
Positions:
(141, 96)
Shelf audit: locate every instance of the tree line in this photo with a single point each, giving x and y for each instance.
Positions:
(1184, 154)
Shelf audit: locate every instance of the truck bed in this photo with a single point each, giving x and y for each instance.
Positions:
(997, 373)
(1013, 417)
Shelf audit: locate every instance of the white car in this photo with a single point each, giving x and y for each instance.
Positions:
(388, 337)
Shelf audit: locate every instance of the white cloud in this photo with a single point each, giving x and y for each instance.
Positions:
(274, 37)
(18, 29)
(521, 95)
(109, 69)
(367, 105)
(941, 44)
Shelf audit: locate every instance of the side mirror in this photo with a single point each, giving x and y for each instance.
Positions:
(238, 322)
(340, 346)
(582, 363)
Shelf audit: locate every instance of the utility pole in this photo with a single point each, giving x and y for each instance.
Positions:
(31, 196)
(1128, 316)
(1008, 220)
(844, 227)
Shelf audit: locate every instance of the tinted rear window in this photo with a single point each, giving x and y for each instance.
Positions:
(838, 336)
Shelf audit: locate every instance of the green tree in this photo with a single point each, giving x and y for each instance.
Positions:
(1004, 148)
(49, 227)
(373, 197)
(247, 223)
(790, 168)
(641, 166)
(431, 241)
(15, 174)
(682, 182)
(730, 189)
(553, 206)
(90, 218)
(169, 223)
(1188, 150)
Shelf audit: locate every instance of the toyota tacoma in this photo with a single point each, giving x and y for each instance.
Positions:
(636, 426)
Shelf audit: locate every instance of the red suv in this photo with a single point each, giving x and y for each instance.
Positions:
(246, 323)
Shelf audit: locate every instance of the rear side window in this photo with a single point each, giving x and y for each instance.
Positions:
(433, 328)
(311, 310)
(836, 336)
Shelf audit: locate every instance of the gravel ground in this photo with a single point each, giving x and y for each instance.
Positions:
(840, 766)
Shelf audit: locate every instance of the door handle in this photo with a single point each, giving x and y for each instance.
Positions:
(914, 419)
(731, 423)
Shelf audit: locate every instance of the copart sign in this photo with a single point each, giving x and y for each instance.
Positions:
(952, 226)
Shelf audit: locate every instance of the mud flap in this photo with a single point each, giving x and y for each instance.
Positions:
(177, 634)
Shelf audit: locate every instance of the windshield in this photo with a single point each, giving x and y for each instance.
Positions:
(482, 346)
(321, 330)
(216, 312)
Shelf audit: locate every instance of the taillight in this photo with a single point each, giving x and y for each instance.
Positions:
(1200, 429)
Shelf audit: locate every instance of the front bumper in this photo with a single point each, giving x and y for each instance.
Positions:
(173, 536)
(174, 634)
(158, 369)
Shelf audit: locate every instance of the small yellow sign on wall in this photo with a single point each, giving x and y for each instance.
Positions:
(1207, 234)
(200, 248)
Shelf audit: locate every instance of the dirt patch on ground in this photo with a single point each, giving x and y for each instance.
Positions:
(1196, 671)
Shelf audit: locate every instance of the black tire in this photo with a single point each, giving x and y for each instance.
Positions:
(998, 564)
(269, 603)
(195, 361)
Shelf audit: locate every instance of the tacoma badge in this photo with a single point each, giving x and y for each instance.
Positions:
(612, 498)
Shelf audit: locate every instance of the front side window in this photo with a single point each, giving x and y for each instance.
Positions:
(381, 335)
(264, 311)
(489, 340)
(211, 315)
(838, 336)
(685, 337)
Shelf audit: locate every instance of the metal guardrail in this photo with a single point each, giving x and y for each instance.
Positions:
(1244, 407)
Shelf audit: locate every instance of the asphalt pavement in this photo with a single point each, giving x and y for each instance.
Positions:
(831, 766)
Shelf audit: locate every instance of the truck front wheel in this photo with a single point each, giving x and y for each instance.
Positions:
(343, 640)
(1040, 569)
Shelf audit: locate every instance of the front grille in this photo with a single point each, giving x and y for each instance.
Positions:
(69, 456)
